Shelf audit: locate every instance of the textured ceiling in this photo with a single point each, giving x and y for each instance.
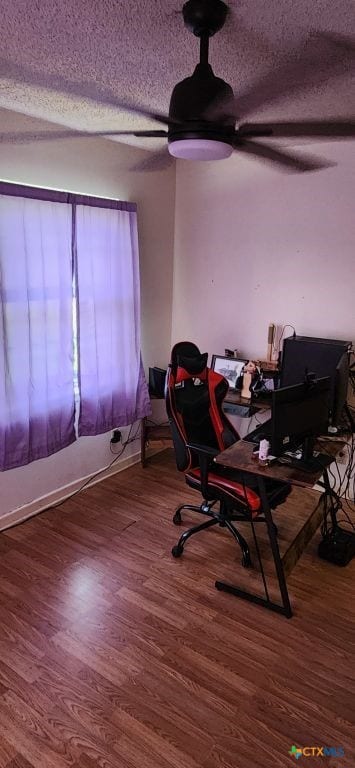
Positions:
(139, 49)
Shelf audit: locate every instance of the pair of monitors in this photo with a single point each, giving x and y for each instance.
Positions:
(312, 393)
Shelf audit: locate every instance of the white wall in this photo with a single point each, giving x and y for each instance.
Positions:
(254, 245)
(102, 168)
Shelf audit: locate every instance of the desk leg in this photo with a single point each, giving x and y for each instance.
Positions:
(285, 609)
(275, 549)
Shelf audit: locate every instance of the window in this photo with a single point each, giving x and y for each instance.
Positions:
(69, 320)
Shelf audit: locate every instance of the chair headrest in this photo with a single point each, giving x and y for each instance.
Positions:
(183, 348)
(194, 366)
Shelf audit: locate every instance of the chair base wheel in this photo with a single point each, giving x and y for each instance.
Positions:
(177, 518)
(177, 550)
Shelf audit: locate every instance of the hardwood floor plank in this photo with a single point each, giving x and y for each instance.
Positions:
(19, 762)
(131, 753)
(152, 608)
(7, 752)
(152, 741)
(39, 700)
(243, 757)
(31, 745)
(99, 762)
(146, 706)
(113, 654)
(104, 659)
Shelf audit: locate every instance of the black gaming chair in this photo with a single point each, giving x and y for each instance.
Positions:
(200, 430)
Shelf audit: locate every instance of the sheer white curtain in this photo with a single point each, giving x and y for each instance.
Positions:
(113, 390)
(36, 342)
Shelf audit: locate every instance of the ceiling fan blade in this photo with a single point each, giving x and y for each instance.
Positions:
(334, 129)
(29, 76)
(157, 161)
(287, 160)
(30, 136)
(322, 57)
(342, 42)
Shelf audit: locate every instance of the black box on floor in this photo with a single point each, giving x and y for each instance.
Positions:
(157, 382)
(338, 547)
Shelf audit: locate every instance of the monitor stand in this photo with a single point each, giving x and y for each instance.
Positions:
(308, 461)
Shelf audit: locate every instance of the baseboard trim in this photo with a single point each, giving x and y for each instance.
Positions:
(20, 514)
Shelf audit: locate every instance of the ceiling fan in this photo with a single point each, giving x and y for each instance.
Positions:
(203, 122)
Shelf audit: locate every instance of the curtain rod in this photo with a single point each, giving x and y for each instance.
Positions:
(54, 196)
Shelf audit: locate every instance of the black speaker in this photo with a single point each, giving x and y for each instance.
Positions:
(157, 378)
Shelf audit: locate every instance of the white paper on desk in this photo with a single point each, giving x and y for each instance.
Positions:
(269, 384)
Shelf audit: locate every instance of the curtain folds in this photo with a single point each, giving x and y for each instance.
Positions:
(36, 360)
(69, 315)
(113, 390)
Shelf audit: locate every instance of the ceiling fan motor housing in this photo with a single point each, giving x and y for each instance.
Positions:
(201, 112)
(191, 102)
(204, 17)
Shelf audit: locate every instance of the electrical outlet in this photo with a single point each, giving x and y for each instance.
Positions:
(345, 453)
(116, 436)
(343, 456)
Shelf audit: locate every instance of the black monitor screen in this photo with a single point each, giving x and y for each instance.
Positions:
(299, 412)
(323, 357)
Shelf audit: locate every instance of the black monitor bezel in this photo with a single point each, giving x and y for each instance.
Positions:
(296, 393)
(335, 371)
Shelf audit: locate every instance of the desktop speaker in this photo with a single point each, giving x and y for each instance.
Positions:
(157, 378)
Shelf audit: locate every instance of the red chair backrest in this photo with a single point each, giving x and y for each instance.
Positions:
(194, 395)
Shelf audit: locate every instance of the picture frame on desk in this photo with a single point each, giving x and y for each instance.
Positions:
(229, 367)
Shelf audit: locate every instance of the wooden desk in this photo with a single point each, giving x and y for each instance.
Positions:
(233, 396)
(239, 457)
(153, 433)
(236, 405)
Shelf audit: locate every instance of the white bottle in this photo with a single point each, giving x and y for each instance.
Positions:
(264, 447)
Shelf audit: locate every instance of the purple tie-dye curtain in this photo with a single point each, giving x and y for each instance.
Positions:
(66, 258)
(36, 342)
(113, 390)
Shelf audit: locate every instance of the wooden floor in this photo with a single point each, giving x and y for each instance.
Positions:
(115, 655)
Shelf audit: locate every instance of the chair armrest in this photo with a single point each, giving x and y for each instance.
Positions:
(203, 449)
(206, 455)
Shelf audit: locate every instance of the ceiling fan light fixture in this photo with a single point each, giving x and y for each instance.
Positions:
(200, 149)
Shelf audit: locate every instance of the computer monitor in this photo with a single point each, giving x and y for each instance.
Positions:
(157, 378)
(299, 414)
(323, 357)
